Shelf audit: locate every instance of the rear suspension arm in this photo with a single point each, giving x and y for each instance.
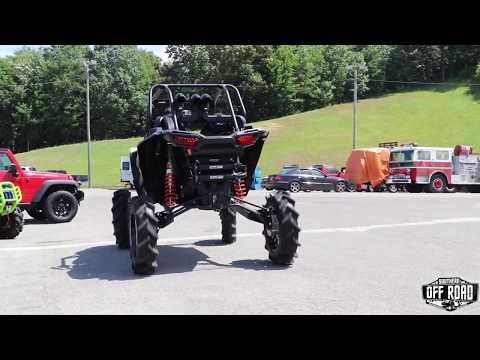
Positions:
(251, 214)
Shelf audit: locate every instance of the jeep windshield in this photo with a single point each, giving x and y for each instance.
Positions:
(405, 155)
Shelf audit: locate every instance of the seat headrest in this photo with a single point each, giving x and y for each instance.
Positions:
(201, 101)
(206, 99)
(180, 99)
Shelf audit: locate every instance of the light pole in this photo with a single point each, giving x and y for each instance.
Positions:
(89, 146)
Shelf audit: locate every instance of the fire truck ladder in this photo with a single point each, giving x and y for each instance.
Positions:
(388, 144)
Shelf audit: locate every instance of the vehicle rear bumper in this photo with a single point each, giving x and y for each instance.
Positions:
(398, 180)
(267, 184)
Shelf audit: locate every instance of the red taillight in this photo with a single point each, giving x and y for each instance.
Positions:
(246, 139)
(278, 178)
(188, 141)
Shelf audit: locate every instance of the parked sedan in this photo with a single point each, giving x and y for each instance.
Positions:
(298, 179)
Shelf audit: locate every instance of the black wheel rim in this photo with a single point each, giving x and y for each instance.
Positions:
(273, 232)
(294, 187)
(62, 207)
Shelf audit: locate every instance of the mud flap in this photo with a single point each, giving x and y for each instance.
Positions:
(79, 195)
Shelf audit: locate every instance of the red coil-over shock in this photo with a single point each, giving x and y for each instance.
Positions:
(239, 188)
(170, 193)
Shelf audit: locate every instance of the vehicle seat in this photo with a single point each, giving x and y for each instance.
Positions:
(197, 116)
(179, 102)
(164, 121)
(196, 108)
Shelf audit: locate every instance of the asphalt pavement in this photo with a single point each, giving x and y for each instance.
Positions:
(361, 253)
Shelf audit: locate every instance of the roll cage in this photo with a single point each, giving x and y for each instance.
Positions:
(169, 89)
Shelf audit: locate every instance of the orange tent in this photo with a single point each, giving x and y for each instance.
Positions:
(368, 166)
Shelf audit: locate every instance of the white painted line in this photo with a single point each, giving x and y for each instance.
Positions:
(388, 226)
(217, 236)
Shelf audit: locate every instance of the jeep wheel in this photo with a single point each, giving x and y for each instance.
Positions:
(60, 207)
(14, 225)
(229, 225)
(281, 232)
(121, 218)
(143, 237)
(37, 214)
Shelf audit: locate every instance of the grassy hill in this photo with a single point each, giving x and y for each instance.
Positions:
(434, 117)
(73, 158)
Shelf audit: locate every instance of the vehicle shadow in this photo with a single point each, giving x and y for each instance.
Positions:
(109, 263)
(213, 242)
(37, 222)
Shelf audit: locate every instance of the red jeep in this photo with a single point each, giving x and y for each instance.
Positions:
(51, 196)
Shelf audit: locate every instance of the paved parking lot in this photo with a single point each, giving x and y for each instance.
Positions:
(362, 253)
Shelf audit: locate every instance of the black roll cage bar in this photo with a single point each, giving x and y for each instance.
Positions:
(225, 87)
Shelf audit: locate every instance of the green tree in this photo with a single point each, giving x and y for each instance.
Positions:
(120, 81)
(7, 108)
(376, 58)
(283, 85)
(63, 79)
(42, 92)
(245, 66)
(27, 67)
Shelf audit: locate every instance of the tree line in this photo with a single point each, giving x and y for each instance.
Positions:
(43, 91)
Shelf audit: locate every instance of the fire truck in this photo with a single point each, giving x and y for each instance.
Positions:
(434, 169)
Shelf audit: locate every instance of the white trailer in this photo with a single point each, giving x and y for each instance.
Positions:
(126, 175)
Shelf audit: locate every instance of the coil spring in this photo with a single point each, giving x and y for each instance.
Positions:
(170, 188)
(239, 188)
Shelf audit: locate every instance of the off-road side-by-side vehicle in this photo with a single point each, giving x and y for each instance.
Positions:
(51, 196)
(198, 153)
(11, 217)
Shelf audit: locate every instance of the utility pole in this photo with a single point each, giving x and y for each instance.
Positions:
(87, 72)
(355, 68)
(355, 88)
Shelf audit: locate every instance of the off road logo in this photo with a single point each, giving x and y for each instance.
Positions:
(450, 293)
